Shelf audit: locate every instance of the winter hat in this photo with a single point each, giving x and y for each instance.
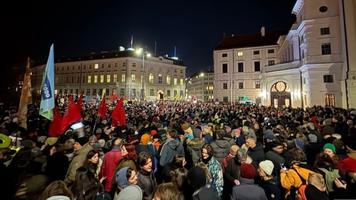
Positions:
(51, 141)
(299, 143)
(121, 179)
(153, 132)
(101, 143)
(132, 192)
(145, 138)
(312, 138)
(5, 141)
(185, 126)
(267, 166)
(58, 197)
(247, 171)
(81, 140)
(329, 146)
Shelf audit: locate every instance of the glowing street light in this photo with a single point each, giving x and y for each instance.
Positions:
(143, 53)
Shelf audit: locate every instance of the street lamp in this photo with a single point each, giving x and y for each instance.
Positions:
(143, 53)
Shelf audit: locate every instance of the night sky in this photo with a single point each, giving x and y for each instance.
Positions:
(79, 27)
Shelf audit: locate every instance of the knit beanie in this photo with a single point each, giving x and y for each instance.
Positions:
(247, 171)
(329, 146)
(121, 179)
(132, 192)
(5, 141)
(267, 166)
(145, 138)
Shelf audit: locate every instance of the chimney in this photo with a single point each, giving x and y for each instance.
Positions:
(263, 31)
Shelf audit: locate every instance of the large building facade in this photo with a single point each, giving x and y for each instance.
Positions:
(312, 64)
(200, 86)
(123, 72)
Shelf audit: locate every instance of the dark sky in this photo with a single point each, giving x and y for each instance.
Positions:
(78, 27)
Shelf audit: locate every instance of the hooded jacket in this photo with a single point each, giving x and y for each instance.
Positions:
(221, 149)
(169, 150)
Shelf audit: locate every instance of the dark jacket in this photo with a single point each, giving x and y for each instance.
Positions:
(247, 190)
(272, 190)
(221, 149)
(232, 172)
(276, 159)
(257, 154)
(205, 193)
(169, 150)
(194, 148)
(147, 183)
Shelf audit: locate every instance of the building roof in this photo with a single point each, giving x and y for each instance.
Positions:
(111, 54)
(255, 40)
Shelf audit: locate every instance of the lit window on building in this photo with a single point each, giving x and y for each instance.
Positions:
(175, 81)
(95, 78)
(123, 78)
(101, 78)
(150, 78)
(168, 80)
(96, 66)
(115, 78)
(240, 53)
(329, 100)
(181, 81)
(133, 77)
(108, 78)
(89, 79)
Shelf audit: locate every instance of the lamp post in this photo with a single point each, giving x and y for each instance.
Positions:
(143, 53)
(202, 86)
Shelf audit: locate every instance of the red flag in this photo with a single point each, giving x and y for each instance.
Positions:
(118, 114)
(102, 110)
(113, 97)
(72, 115)
(55, 126)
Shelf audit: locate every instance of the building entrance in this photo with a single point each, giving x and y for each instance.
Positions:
(280, 95)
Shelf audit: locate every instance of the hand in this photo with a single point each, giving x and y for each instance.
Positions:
(340, 184)
(102, 179)
(237, 182)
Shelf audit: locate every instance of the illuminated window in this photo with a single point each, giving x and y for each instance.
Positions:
(108, 78)
(329, 99)
(240, 53)
(175, 82)
(96, 66)
(95, 78)
(133, 77)
(181, 81)
(115, 78)
(89, 79)
(123, 78)
(168, 80)
(101, 78)
(151, 78)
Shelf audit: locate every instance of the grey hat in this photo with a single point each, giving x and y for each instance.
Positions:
(132, 192)
(312, 138)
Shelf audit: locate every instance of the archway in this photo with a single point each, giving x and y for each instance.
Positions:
(280, 94)
(160, 95)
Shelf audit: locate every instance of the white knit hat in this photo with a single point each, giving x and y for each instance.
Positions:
(267, 166)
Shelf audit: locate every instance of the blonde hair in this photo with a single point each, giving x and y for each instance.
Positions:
(233, 149)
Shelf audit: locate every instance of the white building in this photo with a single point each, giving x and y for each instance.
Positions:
(122, 72)
(312, 63)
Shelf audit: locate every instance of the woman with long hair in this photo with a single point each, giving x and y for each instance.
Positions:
(85, 186)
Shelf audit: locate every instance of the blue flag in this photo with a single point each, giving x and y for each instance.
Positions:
(47, 88)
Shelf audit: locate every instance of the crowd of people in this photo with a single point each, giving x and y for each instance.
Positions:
(181, 150)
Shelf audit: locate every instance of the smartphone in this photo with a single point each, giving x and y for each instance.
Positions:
(283, 166)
